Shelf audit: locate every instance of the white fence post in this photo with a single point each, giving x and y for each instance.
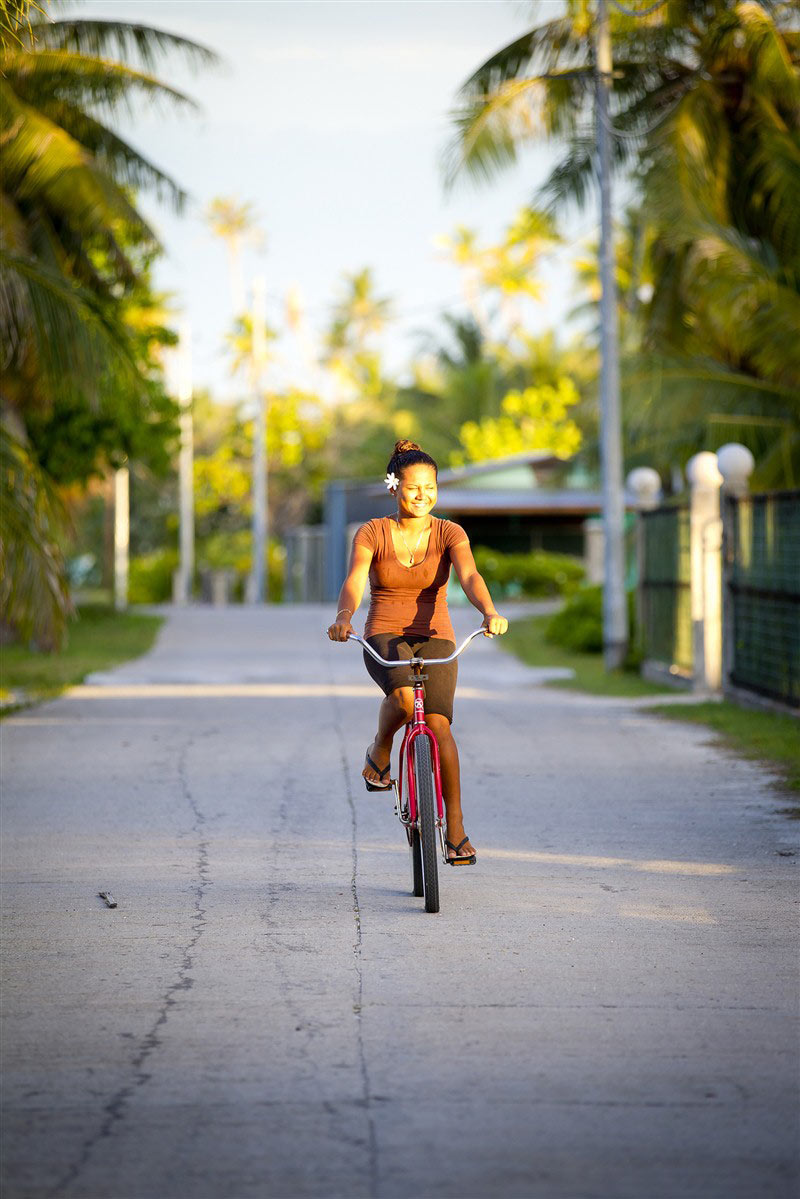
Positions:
(736, 465)
(705, 529)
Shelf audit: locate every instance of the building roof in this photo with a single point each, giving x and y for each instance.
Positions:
(536, 500)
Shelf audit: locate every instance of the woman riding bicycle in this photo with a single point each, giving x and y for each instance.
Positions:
(407, 559)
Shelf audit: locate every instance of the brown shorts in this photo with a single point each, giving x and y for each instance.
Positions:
(440, 685)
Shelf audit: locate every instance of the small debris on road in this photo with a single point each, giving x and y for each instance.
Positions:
(108, 899)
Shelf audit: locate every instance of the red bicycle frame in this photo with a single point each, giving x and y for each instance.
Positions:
(418, 728)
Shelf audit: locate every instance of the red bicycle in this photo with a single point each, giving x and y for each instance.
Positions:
(418, 801)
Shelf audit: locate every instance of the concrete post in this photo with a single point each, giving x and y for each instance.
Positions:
(644, 494)
(335, 534)
(183, 583)
(594, 549)
(122, 526)
(736, 465)
(258, 583)
(705, 531)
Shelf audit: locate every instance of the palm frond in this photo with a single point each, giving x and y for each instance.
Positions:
(105, 84)
(44, 165)
(772, 178)
(127, 165)
(490, 129)
(545, 47)
(73, 334)
(662, 380)
(97, 39)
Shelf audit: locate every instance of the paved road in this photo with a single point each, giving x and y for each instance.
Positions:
(602, 1010)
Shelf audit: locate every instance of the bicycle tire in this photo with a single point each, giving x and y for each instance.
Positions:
(426, 814)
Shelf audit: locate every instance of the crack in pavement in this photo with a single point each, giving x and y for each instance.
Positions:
(115, 1108)
(357, 955)
(274, 920)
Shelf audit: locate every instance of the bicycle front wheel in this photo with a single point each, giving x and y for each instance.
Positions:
(426, 815)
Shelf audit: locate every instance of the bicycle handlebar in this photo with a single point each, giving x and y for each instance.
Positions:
(415, 661)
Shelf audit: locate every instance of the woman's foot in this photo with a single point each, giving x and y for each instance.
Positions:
(459, 844)
(381, 757)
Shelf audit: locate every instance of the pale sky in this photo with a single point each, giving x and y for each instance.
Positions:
(331, 119)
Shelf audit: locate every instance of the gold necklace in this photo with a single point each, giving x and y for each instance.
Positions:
(411, 552)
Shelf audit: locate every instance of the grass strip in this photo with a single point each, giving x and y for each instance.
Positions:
(526, 639)
(99, 639)
(762, 736)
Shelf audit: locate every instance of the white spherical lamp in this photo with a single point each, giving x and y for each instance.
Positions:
(644, 486)
(736, 465)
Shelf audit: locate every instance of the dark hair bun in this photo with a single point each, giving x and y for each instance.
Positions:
(408, 453)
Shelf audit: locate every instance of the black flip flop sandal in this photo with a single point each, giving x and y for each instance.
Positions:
(466, 860)
(380, 773)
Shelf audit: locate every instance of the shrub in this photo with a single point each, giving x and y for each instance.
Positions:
(579, 624)
(535, 574)
(150, 577)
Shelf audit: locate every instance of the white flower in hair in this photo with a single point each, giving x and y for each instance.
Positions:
(392, 482)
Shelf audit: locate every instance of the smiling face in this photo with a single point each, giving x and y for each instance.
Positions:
(417, 493)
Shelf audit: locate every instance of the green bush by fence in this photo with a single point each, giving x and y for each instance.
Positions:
(150, 577)
(579, 625)
(534, 574)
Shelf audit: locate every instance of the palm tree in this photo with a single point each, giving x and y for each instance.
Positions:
(706, 116)
(73, 245)
(506, 269)
(359, 314)
(235, 223)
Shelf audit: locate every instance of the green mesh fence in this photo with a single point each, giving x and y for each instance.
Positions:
(664, 588)
(764, 592)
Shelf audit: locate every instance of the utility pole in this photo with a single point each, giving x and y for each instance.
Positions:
(122, 530)
(615, 611)
(258, 588)
(183, 589)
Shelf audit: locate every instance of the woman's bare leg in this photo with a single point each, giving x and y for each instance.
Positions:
(395, 711)
(451, 781)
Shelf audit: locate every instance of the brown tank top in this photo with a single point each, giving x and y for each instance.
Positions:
(409, 599)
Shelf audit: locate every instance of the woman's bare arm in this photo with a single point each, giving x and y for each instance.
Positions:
(351, 593)
(475, 588)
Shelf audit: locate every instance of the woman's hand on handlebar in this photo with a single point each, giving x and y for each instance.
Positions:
(494, 625)
(340, 630)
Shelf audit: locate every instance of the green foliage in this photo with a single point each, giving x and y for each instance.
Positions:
(705, 109)
(34, 597)
(464, 379)
(533, 419)
(534, 574)
(298, 428)
(150, 577)
(80, 325)
(579, 624)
